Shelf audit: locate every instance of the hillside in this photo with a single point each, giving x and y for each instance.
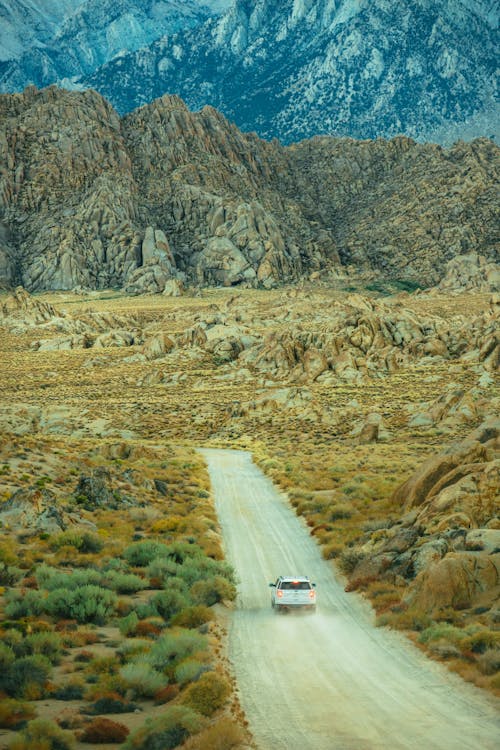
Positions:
(167, 196)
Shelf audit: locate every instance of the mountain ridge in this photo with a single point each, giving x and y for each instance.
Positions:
(358, 69)
(89, 199)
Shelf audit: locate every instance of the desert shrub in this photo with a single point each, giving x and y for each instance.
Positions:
(85, 604)
(225, 734)
(212, 590)
(162, 568)
(143, 679)
(340, 511)
(25, 676)
(115, 563)
(167, 731)
(111, 703)
(189, 671)
(104, 665)
(73, 691)
(13, 636)
(348, 560)
(489, 662)
(482, 641)
(442, 631)
(495, 682)
(84, 542)
(41, 734)
(125, 583)
(47, 644)
(24, 604)
(208, 694)
(9, 574)
(168, 603)
(7, 657)
(175, 646)
(141, 554)
(144, 610)
(14, 713)
(166, 694)
(201, 568)
(128, 625)
(103, 730)
(151, 627)
(193, 617)
(132, 648)
(410, 619)
(53, 579)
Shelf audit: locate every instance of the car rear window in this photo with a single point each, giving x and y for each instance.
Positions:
(296, 585)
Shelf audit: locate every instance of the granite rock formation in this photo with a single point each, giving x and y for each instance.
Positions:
(165, 196)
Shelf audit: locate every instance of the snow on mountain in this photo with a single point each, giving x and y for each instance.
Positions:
(294, 68)
(55, 40)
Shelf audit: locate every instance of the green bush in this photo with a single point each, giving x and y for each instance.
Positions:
(124, 583)
(53, 579)
(212, 590)
(24, 604)
(162, 568)
(41, 734)
(73, 691)
(189, 671)
(83, 542)
(47, 644)
(29, 671)
(208, 694)
(168, 603)
(128, 625)
(10, 575)
(141, 554)
(175, 646)
(167, 731)
(442, 631)
(130, 649)
(142, 679)
(7, 657)
(112, 704)
(84, 604)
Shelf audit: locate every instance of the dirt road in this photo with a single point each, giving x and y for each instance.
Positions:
(330, 680)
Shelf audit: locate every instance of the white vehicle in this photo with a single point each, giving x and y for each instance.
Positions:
(293, 592)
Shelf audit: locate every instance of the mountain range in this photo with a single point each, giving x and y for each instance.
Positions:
(167, 195)
(284, 68)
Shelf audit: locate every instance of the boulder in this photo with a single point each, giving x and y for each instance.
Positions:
(37, 510)
(455, 581)
(416, 489)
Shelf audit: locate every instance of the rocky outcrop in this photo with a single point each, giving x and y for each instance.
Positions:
(37, 510)
(21, 308)
(470, 272)
(360, 338)
(164, 196)
(445, 548)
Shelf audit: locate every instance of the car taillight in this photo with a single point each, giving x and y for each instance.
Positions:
(279, 593)
(312, 594)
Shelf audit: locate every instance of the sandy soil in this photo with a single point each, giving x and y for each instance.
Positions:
(330, 680)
